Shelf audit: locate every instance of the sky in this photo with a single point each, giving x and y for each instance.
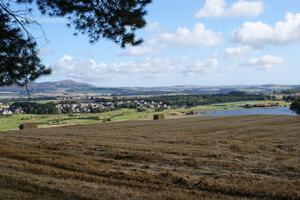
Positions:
(186, 42)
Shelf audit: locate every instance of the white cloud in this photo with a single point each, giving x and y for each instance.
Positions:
(246, 8)
(237, 51)
(266, 62)
(150, 46)
(154, 27)
(218, 8)
(259, 34)
(199, 36)
(200, 67)
(86, 70)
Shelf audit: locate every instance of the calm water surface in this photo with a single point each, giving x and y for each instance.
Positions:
(253, 111)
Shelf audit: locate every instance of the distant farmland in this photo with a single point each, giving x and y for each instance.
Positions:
(249, 157)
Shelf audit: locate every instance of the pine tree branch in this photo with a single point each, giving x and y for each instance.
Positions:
(16, 17)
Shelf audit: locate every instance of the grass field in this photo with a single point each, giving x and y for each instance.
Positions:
(12, 122)
(249, 157)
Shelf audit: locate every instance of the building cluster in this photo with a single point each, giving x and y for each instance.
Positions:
(4, 109)
(82, 107)
(70, 98)
(108, 106)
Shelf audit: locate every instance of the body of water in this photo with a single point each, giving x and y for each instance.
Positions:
(253, 111)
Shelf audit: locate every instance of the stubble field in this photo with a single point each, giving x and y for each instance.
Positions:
(249, 157)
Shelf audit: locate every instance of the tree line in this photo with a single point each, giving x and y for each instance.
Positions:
(199, 100)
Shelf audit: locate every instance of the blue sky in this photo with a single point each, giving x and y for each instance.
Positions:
(187, 42)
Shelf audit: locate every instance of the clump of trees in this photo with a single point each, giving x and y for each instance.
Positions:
(198, 100)
(295, 106)
(291, 98)
(34, 108)
(295, 103)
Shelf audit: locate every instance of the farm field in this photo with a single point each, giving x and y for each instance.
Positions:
(249, 157)
(12, 122)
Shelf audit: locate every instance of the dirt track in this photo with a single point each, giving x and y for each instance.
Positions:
(247, 157)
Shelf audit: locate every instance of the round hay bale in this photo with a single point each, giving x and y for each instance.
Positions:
(158, 117)
(106, 120)
(28, 126)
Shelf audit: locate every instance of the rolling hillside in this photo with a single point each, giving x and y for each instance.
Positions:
(70, 87)
(250, 157)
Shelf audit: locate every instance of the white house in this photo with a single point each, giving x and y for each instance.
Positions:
(5, 111)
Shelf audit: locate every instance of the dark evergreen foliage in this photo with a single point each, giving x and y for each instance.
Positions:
(198, 100)
(34, 108)
(116, 20)
(19, 61)
(295, 106)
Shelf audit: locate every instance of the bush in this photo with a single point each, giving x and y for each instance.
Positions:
(141, 109)
(94, 118)
(159, 109)
(295, 106)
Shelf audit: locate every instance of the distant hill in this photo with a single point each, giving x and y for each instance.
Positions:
(70, 87)
(50, 87)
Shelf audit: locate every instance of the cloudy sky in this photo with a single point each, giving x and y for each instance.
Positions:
(187, 42)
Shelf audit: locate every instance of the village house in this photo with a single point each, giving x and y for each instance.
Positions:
(5, 111)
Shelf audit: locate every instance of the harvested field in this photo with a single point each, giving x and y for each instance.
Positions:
(249, 157)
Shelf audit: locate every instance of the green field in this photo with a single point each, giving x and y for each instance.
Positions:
(13, 121)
